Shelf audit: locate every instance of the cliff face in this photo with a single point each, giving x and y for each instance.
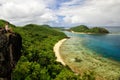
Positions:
(10, 51)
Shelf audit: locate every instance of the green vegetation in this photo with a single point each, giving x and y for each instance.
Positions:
(3, 22)
(98, 30)
(59, 28)
(38, 61)
(81, 28)
(85, 29)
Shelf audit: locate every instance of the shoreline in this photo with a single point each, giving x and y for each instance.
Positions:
(56, 50)
(87, 33)
(104, 68)
(80, 32)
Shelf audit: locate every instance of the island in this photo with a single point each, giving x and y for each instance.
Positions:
(85, 29)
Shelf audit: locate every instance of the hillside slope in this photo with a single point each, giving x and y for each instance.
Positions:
(3, 22)
(38, 61)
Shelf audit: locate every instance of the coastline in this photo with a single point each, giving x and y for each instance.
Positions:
(87, 33)
(81, 32)
(104, 68)
(56, 50)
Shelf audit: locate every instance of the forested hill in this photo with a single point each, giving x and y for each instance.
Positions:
(38, 61)
(85, 29)
(3, 22)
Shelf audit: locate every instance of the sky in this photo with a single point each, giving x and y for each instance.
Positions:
(61, 13)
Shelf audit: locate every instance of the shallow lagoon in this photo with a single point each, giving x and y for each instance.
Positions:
(98, 53)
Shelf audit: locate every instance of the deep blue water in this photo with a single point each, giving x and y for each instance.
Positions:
(106, 45)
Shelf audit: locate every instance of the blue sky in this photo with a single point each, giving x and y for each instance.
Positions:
(61, 13)
(57, 4)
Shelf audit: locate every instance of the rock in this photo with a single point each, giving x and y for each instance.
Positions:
(77, 60)
(10, 52)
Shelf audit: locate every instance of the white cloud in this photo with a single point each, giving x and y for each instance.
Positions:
(91, 12)
(30, 11)
(73, 12)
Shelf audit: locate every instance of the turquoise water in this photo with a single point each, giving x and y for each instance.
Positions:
(106, 45)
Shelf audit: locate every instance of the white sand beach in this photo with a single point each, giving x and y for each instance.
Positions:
(56, 49)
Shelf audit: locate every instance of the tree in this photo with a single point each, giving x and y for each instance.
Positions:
(81, 28)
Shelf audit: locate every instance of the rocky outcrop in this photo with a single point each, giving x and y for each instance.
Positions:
(10, 52)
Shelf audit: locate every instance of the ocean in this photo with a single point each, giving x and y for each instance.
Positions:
(99, 53)
(106, 45)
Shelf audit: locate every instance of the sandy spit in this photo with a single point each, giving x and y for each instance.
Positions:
(56, 50)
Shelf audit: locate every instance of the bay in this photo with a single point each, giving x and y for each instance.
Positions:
(99, 53)
(106, 45)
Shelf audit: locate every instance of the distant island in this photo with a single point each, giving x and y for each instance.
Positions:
(85, 29)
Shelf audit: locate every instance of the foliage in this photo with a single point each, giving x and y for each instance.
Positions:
(85, 29)
(81, 28)
(59, 28)
(3, 22)
(38, 60)
(98, 30)
(67, 75)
